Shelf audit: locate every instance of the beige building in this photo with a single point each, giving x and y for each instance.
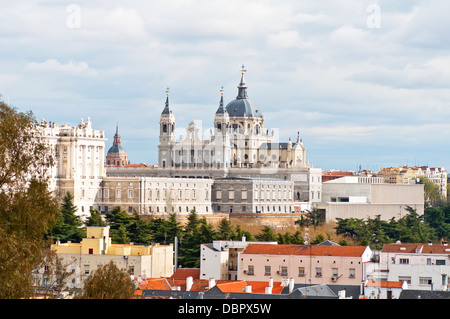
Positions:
(156, 196)
(96, 250)
(364, 197)
(408, 175)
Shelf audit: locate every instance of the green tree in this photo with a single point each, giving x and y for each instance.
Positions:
(239, 233)
(435, 218)
(225, 230)
(315, 217)
(266, 234)
(140, 231)
(432, 195)
(68, 226)
(95, 219)
(108, 282)
(119, 221)
(190, 242)
(28, 210)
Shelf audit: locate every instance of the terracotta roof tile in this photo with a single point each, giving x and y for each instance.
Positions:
(412, 248)
(384, 284)
(183, 273)
(349, 251)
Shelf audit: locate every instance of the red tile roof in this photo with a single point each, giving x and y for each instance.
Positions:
(384, 284)
(411, 248)
(347, 251)
(258, 287)
(183, 273)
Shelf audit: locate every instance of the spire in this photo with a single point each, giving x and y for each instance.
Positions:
(221, 109)
(117, 136)
(167, 109)
(242, 93)
(117, 129)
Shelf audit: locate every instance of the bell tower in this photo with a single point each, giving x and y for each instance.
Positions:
(221, 135)
(166, 135)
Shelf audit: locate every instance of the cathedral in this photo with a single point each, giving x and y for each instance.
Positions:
(238, 139)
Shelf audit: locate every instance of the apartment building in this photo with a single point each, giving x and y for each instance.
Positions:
(317, 265)
(219, 259)
(97, 250)
(421, 266)
(407, 175)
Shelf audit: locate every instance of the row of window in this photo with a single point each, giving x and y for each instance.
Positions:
(268, 210)
(430, 261)
(188, 194)
(157, 209)
(269, 195)
(283, 271)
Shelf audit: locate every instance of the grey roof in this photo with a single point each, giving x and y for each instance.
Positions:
(167, 109)
(221, 109)
(424, 294)
(271, 146)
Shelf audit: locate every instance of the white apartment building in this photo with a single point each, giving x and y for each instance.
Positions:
(219, 259)
(421, 266)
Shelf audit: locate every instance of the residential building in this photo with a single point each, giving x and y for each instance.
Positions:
(369, 197)
(384, 289)
(407, 175)
(96, 250)
(421, 266)
(219, 259)
(313, 265)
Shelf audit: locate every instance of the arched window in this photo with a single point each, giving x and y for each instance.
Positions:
(165, 128)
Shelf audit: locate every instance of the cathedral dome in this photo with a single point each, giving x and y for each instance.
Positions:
(116, 149)
(242, 105)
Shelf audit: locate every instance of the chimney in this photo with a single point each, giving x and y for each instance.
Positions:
(243, 238)
(268, 290)
(271, 282)
(212, 283)
(248, 289)
(189, 283)
(291, 284)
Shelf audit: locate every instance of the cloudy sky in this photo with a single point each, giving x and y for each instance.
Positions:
(365, 82)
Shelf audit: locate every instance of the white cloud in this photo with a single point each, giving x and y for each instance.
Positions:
(287, 39)
(55, 67)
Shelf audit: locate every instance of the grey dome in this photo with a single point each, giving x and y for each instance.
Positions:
(116, 149)
(243, 107)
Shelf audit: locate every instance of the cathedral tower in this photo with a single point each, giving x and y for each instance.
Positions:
(166, 135)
